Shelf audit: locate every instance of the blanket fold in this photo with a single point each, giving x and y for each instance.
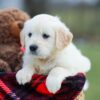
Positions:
(36, 89)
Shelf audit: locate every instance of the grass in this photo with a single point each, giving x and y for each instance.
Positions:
(93, 52)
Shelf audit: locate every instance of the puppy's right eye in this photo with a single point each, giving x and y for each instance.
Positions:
(45, 36)
(30, 34)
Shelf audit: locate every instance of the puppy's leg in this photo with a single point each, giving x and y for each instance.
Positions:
(25, 74)
(55, 79)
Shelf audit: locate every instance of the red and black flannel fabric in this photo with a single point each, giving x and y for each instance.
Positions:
(36, 89)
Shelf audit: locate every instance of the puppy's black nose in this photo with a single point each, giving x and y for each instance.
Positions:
(33, 48)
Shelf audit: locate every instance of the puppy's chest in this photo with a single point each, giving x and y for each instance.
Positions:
(44, 68)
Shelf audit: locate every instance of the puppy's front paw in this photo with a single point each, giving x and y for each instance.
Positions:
(23, 76)
(53, 84)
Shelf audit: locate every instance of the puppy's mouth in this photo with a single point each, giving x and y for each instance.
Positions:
(34, 53)
(37, 55)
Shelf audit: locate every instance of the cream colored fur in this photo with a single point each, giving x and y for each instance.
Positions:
(56, 56)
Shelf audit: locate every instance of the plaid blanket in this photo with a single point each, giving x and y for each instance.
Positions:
(36, 89)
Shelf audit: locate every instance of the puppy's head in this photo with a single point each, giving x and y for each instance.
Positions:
(43, 34)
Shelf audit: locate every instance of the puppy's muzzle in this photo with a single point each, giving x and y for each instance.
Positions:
(33, 48)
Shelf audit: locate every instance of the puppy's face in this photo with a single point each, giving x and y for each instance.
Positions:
(43, 34)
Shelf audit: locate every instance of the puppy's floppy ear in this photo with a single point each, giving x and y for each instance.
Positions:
(22, 38)
(63, 37)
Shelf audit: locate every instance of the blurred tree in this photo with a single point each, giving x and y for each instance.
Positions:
(98, 3)
(34, 7)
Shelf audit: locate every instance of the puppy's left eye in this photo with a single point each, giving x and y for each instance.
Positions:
(45, 36)
(29, 34)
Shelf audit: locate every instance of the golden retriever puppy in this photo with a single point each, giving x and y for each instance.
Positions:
(49, 50)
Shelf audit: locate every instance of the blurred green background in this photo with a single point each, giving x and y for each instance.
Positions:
(83, 19)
